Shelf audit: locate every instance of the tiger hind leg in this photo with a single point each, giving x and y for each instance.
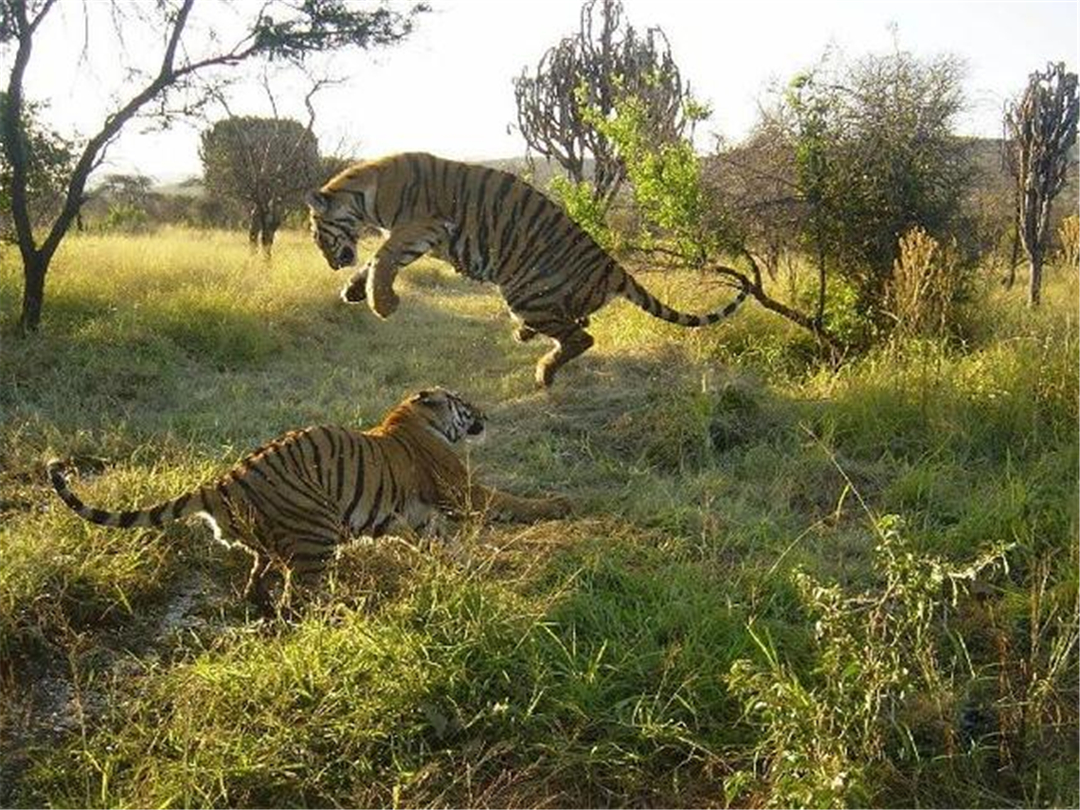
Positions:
(306, 560)
(254, 589)
(570, 341)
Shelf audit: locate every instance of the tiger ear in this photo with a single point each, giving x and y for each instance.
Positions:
(424, 397)
(318, 201)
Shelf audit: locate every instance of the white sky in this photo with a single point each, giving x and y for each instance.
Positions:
(448, 88)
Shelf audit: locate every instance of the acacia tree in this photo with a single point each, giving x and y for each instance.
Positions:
(585, 75)
(265, 165)
(274, 30)
(126, 189)
(1040, 132)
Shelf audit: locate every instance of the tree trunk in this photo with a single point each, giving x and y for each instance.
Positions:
(34, 268)
(271, 221)
(1014, 258)
(1035, 283)
(267, 239)
(255, 229)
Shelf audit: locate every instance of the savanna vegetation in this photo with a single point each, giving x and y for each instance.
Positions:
(823, 554)
(784, 584)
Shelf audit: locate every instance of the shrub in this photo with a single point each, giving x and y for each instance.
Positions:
(126, 218)
(924, 285)
(821, 736)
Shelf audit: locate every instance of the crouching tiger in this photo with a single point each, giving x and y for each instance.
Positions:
(491, 226)
(297, 498)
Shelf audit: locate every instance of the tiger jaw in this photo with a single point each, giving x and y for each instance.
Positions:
(476, 433)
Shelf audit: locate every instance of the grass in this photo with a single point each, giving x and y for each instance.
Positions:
(681, 641)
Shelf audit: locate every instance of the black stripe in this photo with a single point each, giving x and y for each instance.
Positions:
(315, 454)
(559, 260)
(226, 507)
(358, 491)
(510, 223)
(127, 519)
(297, 510)
(459, 191)
(298, 466)
(426, 183)
(305, 517)
(98, 516)
(373, 513)
(543, 230)
(415, 184)
(483, 209)
(155, 514)
(600, 277)
(505, 184)
(340, 488)
(379, 195)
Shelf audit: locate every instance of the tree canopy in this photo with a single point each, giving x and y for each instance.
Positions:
(263, 164)
(191, 70)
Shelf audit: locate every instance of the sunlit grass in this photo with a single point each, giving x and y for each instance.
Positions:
(576, 662)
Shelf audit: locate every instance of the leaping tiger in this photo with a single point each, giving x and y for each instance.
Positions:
(297, 498)
(491, 226)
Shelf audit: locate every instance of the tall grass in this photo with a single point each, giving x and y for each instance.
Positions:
(702, 632)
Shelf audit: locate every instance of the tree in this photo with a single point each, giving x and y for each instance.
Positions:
(875, 156)
(590, 71)
(683, 217)
(264, 164)
(49, 158)
(125, 189)
(1040, 132)
(277, 30)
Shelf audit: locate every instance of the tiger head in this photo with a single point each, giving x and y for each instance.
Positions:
(446, 414)
(335, 226)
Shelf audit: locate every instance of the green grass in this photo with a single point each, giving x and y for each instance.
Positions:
(590, 661)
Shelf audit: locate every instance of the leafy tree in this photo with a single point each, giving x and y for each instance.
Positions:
(264, 164)
(683, 216)
(590, 71)
(1040, 132)
(876, 156)
(188, 74)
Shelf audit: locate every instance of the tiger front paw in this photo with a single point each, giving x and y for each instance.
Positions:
(355, 291)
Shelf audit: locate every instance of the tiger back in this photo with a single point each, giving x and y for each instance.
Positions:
(492, 227)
